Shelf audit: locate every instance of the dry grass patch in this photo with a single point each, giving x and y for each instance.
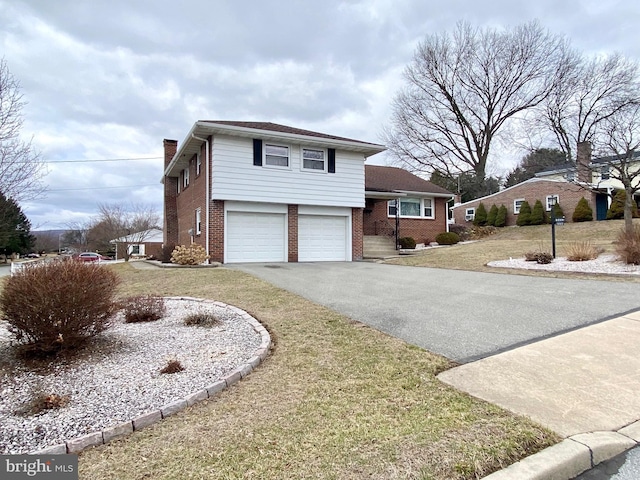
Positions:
(334, 400)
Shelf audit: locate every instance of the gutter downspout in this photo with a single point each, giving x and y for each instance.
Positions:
(447, 210)
(208, 193)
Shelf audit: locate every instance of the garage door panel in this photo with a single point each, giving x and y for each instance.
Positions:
(255, 237)
(322, 238)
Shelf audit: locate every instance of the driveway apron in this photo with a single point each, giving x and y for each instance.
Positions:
(461, 315)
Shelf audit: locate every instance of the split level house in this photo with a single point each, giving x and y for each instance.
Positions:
(264, 192)
(564, 184)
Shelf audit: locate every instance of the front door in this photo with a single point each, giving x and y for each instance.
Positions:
(602, 205)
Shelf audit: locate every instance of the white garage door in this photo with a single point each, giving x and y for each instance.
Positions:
(322, 238)
(255, 237)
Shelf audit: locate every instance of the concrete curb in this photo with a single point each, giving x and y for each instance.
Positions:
(94, 439)
(572, 456)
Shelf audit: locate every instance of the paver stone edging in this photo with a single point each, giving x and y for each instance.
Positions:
(573, 456)
(93, 439)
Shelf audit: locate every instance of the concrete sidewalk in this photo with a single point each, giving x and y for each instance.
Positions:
(587, 380)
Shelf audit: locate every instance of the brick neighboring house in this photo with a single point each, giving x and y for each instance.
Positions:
(263, 192)
(422, 212)
(140, 244)
(566, 184)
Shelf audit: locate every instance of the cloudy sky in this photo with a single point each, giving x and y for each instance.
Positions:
(108, 80)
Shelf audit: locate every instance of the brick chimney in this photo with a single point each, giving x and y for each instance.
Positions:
(583, 162)
(170, 196)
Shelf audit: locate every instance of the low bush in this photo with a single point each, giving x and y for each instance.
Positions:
(201, 319)
(581, 251)
(582, 212)
(628, 246)
(189, 255)
(407, 242)
(544, 258)
(462, 231)
(447, 238)
(56, 305)
(143, 308)
(172, 366)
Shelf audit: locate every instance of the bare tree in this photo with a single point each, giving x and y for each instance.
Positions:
(620, 141)
(129, 224)
(21, 168)
(586, 95)
(463, 88)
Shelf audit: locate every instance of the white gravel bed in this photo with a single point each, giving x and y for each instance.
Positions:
(605, 263)
(120, 377)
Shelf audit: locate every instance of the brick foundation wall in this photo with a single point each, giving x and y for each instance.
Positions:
(293, 233)
(377, 222)
(569, 194)
(356, 233)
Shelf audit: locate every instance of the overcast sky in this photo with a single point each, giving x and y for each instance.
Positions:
(111, 79)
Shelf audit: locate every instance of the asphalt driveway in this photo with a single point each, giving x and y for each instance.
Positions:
(462, 315)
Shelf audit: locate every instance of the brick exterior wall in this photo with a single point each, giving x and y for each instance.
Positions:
(377, 222)
(216, 231)
(190, 198)
(356, 234)
(150, 249)
(170, 193)
(568, 193)
(293, 233)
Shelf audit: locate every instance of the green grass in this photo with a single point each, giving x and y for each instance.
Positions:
(335, 400)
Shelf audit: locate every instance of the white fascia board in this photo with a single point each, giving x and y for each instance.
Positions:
(426, 194)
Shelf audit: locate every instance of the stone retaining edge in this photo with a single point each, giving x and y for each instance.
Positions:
(102, 437)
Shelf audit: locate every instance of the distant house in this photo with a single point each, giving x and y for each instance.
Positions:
(264, 192)
(398, 201)
(565, 184)
(140, 244)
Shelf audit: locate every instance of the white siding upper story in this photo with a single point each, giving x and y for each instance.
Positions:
(235, 177)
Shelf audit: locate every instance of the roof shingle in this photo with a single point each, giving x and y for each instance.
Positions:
(390, 179)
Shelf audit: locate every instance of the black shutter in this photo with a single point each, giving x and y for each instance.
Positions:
(331, 166)
(257, 152)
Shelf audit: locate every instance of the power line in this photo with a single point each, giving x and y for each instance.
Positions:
(105, 160)
(102, 188)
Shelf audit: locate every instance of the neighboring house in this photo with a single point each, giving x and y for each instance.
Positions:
(140, 244)
(399, 202)
(263, 192)
(565, 184)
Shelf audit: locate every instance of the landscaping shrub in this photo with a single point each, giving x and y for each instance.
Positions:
(189, 255)
(628, 246)
(201, 319)
(143, 308)
(478, 233)
(538, 215)
(165, 254)
(492, 215)
(557, 209)
(58, 305)
(583, 212)
(524, 217)
(462, 231)
(447, 238)
(616, 210)
(407, 242)
(480, 218)
(501, 218)
(544, 258)
(172, 366)
(581, 251)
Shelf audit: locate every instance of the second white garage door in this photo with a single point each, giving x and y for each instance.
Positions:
(322, 238)
(255, 237)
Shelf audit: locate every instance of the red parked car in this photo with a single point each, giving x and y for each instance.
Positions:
(90, 257)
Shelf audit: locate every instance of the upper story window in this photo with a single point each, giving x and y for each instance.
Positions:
(605, 172)
(198, 164)
(314, 159)
(411, 207)
(185, 178)
(276, 155)
(517, 204)
(552, 200)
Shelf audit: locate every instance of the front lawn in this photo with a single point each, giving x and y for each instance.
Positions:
(334, 400)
